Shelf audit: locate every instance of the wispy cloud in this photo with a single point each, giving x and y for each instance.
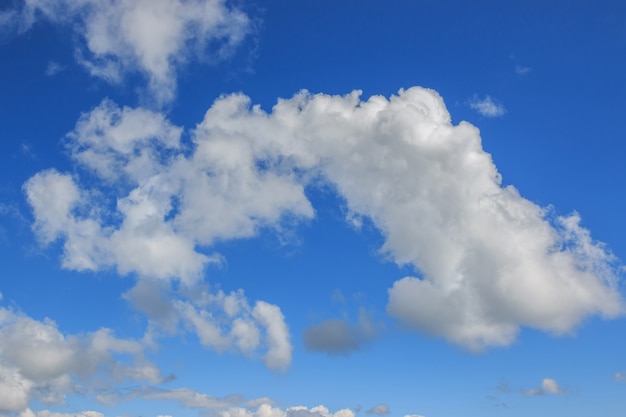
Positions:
(487, 106)
(53, 68)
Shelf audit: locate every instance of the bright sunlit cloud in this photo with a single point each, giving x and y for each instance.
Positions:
(487, 260)
(182, 219)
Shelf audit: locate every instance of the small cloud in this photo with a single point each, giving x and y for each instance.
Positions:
(519, 69)
(504, 388)
(54, 68)
(619, 376)
(379, 410)
(548, 386)
(27, 150)
(487, 107)
(338, 337)
(338, 297)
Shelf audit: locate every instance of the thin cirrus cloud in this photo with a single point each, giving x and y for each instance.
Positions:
(150, 37)
(186, 397)
(222, 322)
(487, 261)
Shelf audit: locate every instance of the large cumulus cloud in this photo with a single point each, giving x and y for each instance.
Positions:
(486, 260)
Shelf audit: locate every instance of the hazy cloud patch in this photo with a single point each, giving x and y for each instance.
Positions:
(379, 410)
(487, 106)
(339, 336)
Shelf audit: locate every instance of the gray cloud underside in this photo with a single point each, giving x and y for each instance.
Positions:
(340, 337)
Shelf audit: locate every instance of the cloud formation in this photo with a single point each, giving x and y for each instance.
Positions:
(46, 413)
(338, 336)
(487, 107)
(39, 362)
(184, 396)
(149, 37)
(486, 260)
(267, 410)
(222, 322)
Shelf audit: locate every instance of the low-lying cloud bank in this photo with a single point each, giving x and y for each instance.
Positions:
(486, 260)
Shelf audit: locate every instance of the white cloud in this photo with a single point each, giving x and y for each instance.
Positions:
(487, 260)
(53, 68)
(151, 37)
(267, 410)
(119, 142)
(490, 260)
(487, 107)
(620, 376)
(222, 322)
(164, 217)
(39, 362)
(548, 386)
(278, 355)
(229, 406)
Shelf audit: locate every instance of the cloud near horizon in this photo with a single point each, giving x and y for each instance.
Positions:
(39, 362)
(486, 260)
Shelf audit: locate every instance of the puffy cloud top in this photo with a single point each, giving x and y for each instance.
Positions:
(486, 260)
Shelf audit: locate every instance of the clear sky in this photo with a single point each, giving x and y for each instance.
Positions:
(307, 208)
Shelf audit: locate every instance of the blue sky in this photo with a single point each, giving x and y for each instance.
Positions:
(312, 209)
